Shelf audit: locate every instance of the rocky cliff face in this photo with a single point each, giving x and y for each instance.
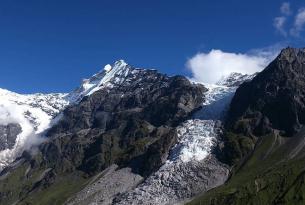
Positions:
(275, 96)
(129, 123)
(123, 115)
(135, 136)
(273, 100)
(264, 137)
(8, 135)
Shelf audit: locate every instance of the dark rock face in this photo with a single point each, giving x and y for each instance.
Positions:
(275, 98)
(130, 124)
(129, 120)
(8, 135)
(264, 137)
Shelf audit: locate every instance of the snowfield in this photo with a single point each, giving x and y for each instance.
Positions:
(34, 113)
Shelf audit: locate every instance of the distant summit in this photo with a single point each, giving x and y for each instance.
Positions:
(235, 79)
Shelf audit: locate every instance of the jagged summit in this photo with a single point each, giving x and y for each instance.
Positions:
(107, 77)
(291, 54)
(280, 85)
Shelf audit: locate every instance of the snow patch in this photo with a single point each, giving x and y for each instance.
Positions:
(107, 67)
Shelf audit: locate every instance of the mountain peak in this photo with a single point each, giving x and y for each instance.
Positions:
(290, 54)
(108, 77)
(120, 63)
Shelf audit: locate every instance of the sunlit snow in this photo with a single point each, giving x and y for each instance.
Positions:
(107, 67)
(34, 113)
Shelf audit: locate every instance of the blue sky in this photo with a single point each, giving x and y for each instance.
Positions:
(49, 46)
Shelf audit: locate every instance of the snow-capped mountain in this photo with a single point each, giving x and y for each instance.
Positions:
(133, 136)
(23, 118)
(128, 94)
(109, 77)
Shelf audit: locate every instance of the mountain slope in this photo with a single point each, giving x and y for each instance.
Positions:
(135, 136)
(25, 118)
(124, 116)
(191, 167)
(264, 137)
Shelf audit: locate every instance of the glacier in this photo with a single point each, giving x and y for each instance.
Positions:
(192, 167)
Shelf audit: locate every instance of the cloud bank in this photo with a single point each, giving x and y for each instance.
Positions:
(210, 67)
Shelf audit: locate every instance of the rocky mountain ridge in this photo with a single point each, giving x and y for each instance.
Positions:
(125, 116)
(264, 137)
(135, 136)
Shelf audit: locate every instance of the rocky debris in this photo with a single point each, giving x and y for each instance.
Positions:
(105, 186)
(176, 183)
(8, 135)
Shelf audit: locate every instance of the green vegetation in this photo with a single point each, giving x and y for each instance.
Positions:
(25, 187)
(58, 193)
(268, 177)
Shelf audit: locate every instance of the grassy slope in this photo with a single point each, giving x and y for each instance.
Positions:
(268, 177)
(17, 188)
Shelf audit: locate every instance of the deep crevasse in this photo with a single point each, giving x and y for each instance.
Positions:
(191, 167)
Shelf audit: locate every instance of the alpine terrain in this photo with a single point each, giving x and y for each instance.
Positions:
(133, 136)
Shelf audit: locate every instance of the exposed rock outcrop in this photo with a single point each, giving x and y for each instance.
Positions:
(126, 116)
(8, 135)
(275, 98)
(264, 138)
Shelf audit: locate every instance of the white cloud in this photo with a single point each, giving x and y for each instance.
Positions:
(212, 66)
(285, 9)
(296, 27)
(299, 22)
(279, 23)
